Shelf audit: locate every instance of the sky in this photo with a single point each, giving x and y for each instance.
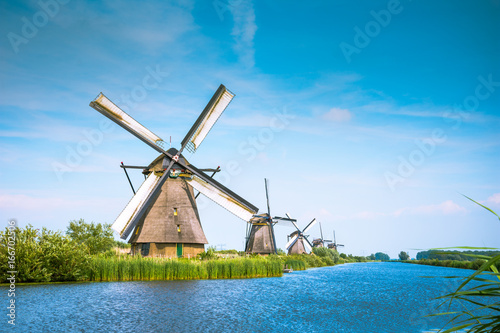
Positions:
(374, 117)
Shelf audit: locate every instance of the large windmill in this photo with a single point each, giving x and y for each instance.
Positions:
(162, 215)
(320, 242)
(260, 232)
(334, 245)
(298, 242)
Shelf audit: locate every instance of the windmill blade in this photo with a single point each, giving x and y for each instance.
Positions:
(321, 231)
(113, 112)
(296, 226)
(217, 104)
(222, 198)
(283, 219)
(131, 214)
(307, 245)
(291, 241)
(309, 226)
(288, 215)
(267, 198)
(218, 187)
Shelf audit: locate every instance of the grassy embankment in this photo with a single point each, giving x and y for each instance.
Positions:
(448, 263)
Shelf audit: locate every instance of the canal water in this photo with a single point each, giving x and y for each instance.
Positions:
(361, 297)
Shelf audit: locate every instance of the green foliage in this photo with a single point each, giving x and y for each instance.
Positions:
(484, 297)
(454, 255)
(42, 256)
(97, 237)
(403, 256)
(343, 256)
(382, 256)
(122, 245)
(329, 256)
(227, 252)
(208, 254)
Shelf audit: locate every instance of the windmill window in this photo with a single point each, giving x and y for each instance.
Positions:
(145, 249)
(175, 211)
(178, 228)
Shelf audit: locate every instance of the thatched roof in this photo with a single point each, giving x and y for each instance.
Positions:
(261, 238)
(298, 247)
(174, 208)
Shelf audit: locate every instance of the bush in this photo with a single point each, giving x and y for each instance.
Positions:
(42, 256)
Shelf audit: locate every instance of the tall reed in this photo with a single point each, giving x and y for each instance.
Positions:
(139, 268)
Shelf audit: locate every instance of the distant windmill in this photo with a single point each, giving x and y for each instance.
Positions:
(320, 242)
(298, 242)
(334, 245)
(260, 232)
(163, 216)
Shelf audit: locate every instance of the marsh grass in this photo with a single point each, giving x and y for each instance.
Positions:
(138, 268)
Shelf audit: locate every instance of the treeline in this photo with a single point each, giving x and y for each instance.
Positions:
(465, 264)
(454, 255)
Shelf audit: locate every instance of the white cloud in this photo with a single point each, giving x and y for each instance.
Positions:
(338, 115)
(243, 30)
(493, 200)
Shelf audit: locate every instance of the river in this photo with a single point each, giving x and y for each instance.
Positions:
(357, 298)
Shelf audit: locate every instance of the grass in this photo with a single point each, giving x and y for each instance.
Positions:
(138, 268)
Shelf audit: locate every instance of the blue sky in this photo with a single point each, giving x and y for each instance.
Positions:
(372, 116)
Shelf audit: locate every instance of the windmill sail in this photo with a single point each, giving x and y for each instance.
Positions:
(130, 215)
(113, 112)
(222, 198)
(207, 119)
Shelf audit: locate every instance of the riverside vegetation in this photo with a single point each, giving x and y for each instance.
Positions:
(478, 295)
(88, 252)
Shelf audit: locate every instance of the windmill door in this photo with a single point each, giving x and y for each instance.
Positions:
(179, 250)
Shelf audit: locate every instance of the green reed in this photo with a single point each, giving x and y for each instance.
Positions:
(134, 268)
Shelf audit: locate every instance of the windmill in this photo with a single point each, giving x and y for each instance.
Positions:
(320, 242)
(162, 216)
(297, 240)
(334, 245)
(260, 230)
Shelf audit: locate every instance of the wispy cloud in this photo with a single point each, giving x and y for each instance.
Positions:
(338, 115)
(244, 30)
(447, 207)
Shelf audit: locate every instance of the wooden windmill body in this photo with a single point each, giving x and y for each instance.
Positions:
(171, 226)
(297, 240)
(162, 216)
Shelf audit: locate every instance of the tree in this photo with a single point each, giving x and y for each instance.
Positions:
(96, 236)
(404, 256)
(382, 256)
